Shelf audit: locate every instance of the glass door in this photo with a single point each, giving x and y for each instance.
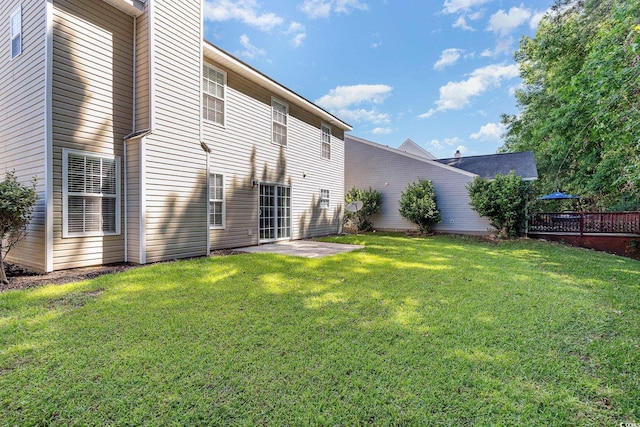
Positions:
(274, 212)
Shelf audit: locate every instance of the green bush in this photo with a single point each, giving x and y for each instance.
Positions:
(371, 202)
(16, 205)
(418, 205)
(503, 200)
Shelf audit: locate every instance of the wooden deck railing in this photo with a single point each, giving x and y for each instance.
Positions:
(586, 222)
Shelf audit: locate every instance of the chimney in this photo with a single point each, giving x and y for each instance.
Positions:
(458, 154)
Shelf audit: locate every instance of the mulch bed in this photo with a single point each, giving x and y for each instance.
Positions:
(20, 278)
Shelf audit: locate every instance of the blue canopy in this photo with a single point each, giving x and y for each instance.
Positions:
(558, 195)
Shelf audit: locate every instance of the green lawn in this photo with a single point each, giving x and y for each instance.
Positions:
(435, 331)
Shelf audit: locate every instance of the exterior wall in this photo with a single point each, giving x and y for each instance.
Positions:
(134, 192)
(22, 118)
(142, 72)
(92, 108)
(242, 151)
(390, 173)
(175, 200)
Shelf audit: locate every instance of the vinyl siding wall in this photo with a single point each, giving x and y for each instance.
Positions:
(390, 173)
(175, 166)
(142, 72)
(22, 118)
(242, 151)
(92, 108)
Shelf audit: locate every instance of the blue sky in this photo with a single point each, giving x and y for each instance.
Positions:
(440, 72)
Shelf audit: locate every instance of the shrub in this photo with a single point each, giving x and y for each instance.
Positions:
(418, 205)
(16, 205)
(503, 200)
(371, 202)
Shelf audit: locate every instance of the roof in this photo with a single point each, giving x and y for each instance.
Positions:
(412, 148)
(224, 58)
(488, 166)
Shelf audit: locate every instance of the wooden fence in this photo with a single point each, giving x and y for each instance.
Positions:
(586, 222)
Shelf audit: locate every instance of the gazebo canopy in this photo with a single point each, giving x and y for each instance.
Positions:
(558, 195)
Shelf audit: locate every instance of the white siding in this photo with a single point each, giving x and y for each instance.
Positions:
(22, 118)
(369, 165)
(92, 108)
(176, 199)
(242, 151)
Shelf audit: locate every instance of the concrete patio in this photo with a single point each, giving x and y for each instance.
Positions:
(302, 248)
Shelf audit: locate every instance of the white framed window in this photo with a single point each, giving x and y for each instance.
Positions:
(214, 84)
(279, 115)
(326, 141)
(324, 199)
(90, 194)
(216, 201)
(16, 32)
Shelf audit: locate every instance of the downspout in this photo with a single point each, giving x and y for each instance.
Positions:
(133, 125)
(48, 140)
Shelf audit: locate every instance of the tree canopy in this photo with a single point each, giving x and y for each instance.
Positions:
(579, 104)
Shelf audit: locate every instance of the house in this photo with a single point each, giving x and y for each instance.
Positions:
(149, 143)
(390, 170)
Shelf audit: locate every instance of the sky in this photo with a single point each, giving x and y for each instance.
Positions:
(438, 72)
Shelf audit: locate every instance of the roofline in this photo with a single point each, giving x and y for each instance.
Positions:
(411, 156)
(222, 57)
(484, 155)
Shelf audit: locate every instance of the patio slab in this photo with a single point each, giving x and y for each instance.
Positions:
(302, 248)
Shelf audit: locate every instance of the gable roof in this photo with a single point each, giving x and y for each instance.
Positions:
(222, 57)
(412, 148)
(488, 166)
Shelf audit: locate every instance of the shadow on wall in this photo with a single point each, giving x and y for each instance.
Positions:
(319, 222)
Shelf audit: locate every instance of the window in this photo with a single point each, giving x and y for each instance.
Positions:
(216, 200)
(279, 115)
(16, 32)
(91, 194)
(324, 199)
(213, 93)
(326, 141)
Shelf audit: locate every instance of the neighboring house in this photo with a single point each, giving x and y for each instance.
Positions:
(488, 166)
(149, 143)
(390, 170)
(412, 148)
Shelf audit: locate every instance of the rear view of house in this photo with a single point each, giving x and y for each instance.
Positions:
(149, 143)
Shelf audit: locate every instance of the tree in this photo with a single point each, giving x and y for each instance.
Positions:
(503, 200)
(418, 205)
(371, 202)
(16, 206)
(579, 101)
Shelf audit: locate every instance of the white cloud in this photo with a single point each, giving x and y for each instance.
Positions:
(448, 57)
(381, 131)
(250, 51)
(246, 11)
(489, 132)
(352, 103)
(535, 19)
(298, 31)
(346, 96)
(461, 23)
(457, 95)
(323, 8)
(504, 23)
(455, 6)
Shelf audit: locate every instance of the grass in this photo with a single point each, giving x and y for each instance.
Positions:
(435, 331)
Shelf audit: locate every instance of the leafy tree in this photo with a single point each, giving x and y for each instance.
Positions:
(579, 101)
(418, 205)
(371, 202)
(16, 205)
(503, 200)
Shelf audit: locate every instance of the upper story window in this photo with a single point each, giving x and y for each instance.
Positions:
(216, 200)
(214, 82)
(16, 32)
(324, 199)
(326, 141)
(91, 194)
(279, 114)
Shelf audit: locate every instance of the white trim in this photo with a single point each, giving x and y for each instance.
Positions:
(208, 209)
(152, 66)
(16, 12)
(204, 65)
(233, 64)
(48, 140)
(142, 214)
(328, 126)
(275, 100)
(133, 8)
(125, 195)
(65, 194)
(223, 200)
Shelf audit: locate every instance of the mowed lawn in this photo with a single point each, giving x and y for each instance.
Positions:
(408, 331)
